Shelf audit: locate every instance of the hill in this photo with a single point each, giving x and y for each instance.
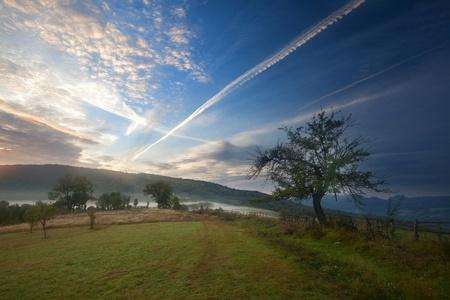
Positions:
(421, 208)
(33, 182)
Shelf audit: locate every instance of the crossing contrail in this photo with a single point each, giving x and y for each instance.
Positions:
(261, 67)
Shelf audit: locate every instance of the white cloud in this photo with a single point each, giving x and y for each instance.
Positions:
(113, 68)
(84, 37)
(180, 12)
(67, 72)
(178, 35)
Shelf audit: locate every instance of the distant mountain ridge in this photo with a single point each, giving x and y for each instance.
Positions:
(33, 182)
(420, 208)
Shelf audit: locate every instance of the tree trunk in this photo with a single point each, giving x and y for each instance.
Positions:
(43, 226)
(317, 198)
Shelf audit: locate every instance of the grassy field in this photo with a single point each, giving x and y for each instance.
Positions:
(210, 258)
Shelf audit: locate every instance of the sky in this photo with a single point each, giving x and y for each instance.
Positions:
(189, 88)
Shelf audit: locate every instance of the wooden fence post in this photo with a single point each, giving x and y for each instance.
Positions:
(439, 231)
(416, 229)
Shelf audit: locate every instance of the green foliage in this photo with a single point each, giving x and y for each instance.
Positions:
(12, 214)
(91, 213)
(72, 192)
(391, 212)
(163, 195)
(135, 202)
(4, 212)
(176, 203)
(113, 201)
(41, 212)
(31, 217)
(316, 160)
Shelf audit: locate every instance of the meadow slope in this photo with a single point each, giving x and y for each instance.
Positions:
(209, 257)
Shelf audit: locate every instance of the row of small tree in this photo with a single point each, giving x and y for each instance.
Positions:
(113, 201)
(41, 213)
(73, 193)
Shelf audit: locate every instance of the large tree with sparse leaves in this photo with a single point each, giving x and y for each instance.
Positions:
(316, 160)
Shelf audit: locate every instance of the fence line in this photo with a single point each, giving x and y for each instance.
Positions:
(250, 213)
(440, 228)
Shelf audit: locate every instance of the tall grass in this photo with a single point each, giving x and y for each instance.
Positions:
(347, 263)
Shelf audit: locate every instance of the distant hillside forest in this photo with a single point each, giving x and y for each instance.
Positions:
(33, 182)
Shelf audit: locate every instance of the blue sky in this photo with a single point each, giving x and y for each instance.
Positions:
(190, 88)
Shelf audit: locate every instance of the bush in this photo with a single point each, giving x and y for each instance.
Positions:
(12, 214)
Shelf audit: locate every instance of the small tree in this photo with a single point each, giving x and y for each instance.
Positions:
(316, 160)
(391, 213)
(162, 192)
(104, 202)
(176, 205)
(117, 200)
(31, 217)
(4, 212)
(91, 213)
(135, 202)
(126, 200)
(43, 212)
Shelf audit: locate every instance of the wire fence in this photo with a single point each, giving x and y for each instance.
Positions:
(436, 227)
(441, 229)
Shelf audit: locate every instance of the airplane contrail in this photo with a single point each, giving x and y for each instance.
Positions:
(261, 67)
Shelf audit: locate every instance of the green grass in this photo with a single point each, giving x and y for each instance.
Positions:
(241, 259)
(346, 265)
(158, 260)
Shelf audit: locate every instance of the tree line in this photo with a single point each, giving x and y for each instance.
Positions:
(12, 214)
(72, 193)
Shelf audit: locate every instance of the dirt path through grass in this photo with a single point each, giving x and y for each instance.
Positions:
(230, 260)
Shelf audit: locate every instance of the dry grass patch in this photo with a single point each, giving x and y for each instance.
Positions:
(112, 217)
